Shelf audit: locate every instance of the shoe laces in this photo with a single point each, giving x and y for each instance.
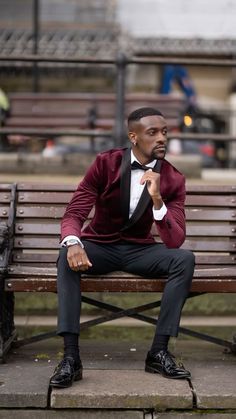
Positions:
(173, 363)
(67, 363)
(170, 358)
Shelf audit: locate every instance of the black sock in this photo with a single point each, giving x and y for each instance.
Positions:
(71, 345)
(160, 342)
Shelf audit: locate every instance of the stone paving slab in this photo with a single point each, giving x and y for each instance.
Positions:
(23, 384)
(72, 414)
(213, 374)
(193, 415)
(123, 389)
(107, 414)
(215, 389)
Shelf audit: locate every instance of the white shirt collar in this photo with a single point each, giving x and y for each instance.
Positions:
(151, 164)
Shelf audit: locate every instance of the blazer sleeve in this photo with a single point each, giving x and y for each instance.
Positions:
(82, 201)
(172, 228)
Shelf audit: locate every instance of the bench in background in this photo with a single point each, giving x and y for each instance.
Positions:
(84, 110)
(33, 214)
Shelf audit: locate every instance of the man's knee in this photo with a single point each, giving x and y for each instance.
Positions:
(189, 257)
(185, 258)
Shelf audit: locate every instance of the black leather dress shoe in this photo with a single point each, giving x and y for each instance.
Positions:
(66, 373)
(163, 363)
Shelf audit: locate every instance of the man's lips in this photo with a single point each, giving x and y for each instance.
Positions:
(160, 148)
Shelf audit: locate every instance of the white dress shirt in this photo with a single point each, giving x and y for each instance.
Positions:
(136, 190)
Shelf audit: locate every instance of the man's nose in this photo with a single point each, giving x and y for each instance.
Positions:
(161, 138)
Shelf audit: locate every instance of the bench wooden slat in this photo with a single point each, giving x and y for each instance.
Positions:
(42, 211)
(209, 245)
(192, 189)
(213, 230)
(210, 214)
(53, 243)
(31, 96)
(108, 284)
(63, 197)
(208, 200)
(105, 111)
(199, 230)
(200, 189)
(44, 187)
(44, 197)
(42, 257)
(37, 122)
(32, 271)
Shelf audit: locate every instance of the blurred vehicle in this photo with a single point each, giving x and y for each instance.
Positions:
(194, 120)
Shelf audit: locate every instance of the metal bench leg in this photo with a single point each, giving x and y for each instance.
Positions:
(7, 329)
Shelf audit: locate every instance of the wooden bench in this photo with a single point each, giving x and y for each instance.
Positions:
(84, 110)
(27, 263)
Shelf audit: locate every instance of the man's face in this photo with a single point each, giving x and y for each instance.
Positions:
(150, 136)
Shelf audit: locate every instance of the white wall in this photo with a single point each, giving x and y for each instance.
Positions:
(178, 18)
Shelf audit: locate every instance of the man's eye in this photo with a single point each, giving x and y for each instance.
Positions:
(164, 131)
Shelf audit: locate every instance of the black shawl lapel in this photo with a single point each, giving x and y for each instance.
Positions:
(143, 202)
(125, 175)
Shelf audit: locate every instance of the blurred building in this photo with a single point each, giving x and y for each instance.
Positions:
(102, 28)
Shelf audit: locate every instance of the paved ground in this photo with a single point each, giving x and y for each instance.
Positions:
(115, 384)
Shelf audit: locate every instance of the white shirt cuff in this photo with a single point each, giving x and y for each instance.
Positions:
(159, 214)
(63, 242)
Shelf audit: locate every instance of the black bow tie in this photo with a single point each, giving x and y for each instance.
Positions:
(135, 166)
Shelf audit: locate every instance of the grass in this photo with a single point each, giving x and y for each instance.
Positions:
(128, 334)
(208, 304)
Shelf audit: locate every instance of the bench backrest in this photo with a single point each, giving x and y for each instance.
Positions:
(210, 214)
(73, 109)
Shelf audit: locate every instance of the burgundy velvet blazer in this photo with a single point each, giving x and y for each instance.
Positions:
(106, 186)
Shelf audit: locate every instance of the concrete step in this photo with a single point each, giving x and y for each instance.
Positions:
(116, 384)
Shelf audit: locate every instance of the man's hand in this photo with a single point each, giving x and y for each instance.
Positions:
(153, 187)
(77, 258)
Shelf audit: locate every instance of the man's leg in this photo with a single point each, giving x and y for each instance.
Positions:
(104, 258)
(178, 265)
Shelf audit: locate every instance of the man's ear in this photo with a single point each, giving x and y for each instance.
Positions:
(132, 136)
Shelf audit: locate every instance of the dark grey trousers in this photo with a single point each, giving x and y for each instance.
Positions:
(145, 260)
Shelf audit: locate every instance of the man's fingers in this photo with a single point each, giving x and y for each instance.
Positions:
(78, 259)
(149, 175)
(81, 265)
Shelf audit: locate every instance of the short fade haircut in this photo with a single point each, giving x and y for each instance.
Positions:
(141, 113)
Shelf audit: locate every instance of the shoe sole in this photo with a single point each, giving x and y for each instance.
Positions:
(77, 377)
(156, 371)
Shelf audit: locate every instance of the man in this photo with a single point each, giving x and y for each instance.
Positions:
(127, 202)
